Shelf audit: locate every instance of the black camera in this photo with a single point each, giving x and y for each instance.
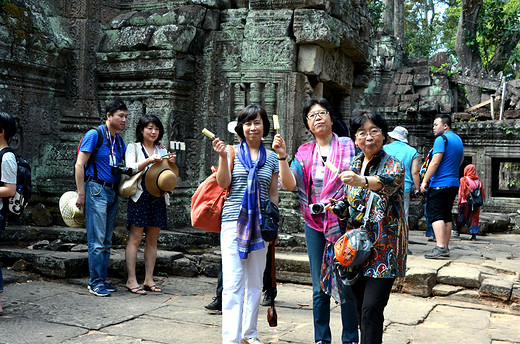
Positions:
(339, 207)
(316, 208)
(121, 169)
(415, 194)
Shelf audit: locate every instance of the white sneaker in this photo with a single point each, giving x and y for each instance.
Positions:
(455, 232)
(251, 341)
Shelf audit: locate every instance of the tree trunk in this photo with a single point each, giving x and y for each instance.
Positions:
(503, 52)
(388, 17)
(466, 33)
(399, 21)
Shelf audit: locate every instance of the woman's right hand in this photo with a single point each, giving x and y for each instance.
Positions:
(219, 147)
(154, 158)
(279, 145)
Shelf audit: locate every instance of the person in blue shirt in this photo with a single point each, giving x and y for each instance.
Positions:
(441, 181)
(97, 180)
(400, 149)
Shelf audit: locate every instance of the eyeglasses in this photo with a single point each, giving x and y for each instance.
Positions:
(321, 114)
(373, 132)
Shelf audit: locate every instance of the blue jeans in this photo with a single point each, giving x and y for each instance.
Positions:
(100, 212)
(315, 242)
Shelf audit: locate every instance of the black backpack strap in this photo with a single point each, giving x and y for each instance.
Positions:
(92, 158)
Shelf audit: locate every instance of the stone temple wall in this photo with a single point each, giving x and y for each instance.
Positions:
(192, 63)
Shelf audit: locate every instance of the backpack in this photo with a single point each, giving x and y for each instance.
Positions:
(475, 199)
(99, 142)
(208, 200)
(92, 156)
(15, 205)
(428, 159)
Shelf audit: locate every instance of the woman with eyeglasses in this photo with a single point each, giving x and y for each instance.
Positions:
(375, 184)
(316, 185)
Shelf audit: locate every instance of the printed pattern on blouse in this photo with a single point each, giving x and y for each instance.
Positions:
(387, 225)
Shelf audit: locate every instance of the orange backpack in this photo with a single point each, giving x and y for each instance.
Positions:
(208, 200)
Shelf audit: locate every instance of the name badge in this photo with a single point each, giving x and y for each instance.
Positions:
(320, 172)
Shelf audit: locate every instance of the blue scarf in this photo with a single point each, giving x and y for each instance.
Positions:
(249, 236)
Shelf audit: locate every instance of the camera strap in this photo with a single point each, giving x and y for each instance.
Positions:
(380, 169)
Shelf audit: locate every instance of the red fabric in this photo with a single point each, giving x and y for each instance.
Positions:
(470, 172)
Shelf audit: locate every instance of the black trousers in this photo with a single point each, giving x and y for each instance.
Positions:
(371, 296)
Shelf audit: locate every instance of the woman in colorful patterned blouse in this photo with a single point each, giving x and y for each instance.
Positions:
(316, 185)
(386, 225)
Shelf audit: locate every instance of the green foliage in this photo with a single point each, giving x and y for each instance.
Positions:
(508, 130)
(377, 7)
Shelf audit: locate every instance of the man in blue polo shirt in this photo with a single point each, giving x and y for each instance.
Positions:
(443, 178)
(399, 148)
(97, 177)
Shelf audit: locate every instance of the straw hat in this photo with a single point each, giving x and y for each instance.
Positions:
(72, 215)
(161, 178)
(399, 133)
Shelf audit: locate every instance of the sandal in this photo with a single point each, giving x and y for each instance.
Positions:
(152, 288)
(137, 290)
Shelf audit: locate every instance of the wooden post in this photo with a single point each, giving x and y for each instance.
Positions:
(503, 103)
(492, 107)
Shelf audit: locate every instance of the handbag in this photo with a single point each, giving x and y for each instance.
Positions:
(354, 247)
(128, 184)
(270, 219)
(208, 200)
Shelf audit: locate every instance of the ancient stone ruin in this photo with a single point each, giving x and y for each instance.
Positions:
(196, 63)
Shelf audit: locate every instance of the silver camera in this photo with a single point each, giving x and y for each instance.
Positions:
(316, 208)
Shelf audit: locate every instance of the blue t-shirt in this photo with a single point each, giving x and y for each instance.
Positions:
(447, 173)
(102, 158)
(406, 153)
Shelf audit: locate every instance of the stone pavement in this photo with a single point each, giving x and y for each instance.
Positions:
(462, 310)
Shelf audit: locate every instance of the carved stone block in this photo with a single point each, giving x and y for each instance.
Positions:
(310, 59)
(316, 27)
(173, 37)
(268, 24)
(338, 68)
(128, 38)
(269, 54)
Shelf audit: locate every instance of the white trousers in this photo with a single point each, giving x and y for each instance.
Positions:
(242, 282)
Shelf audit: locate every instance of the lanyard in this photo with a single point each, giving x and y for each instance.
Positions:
(111, 145)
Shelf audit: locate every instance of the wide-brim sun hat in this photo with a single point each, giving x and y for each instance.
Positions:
(161, 178)
(231, 127)
(71, 214)
(399, 133)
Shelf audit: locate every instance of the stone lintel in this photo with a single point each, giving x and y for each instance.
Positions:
(127, 38)
(268, 54)
(268, 24)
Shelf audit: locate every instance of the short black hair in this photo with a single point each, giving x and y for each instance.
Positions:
(359, 117)
(249, 113)
(317, 101)
(116, 105)
(8, 125)
(446, 119)
(143, 122)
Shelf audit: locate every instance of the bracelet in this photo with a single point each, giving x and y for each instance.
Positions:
(366, 182)
(284, 158)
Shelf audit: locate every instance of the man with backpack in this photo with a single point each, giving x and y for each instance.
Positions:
(442, 176)
(8, 172)
(98, 171)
